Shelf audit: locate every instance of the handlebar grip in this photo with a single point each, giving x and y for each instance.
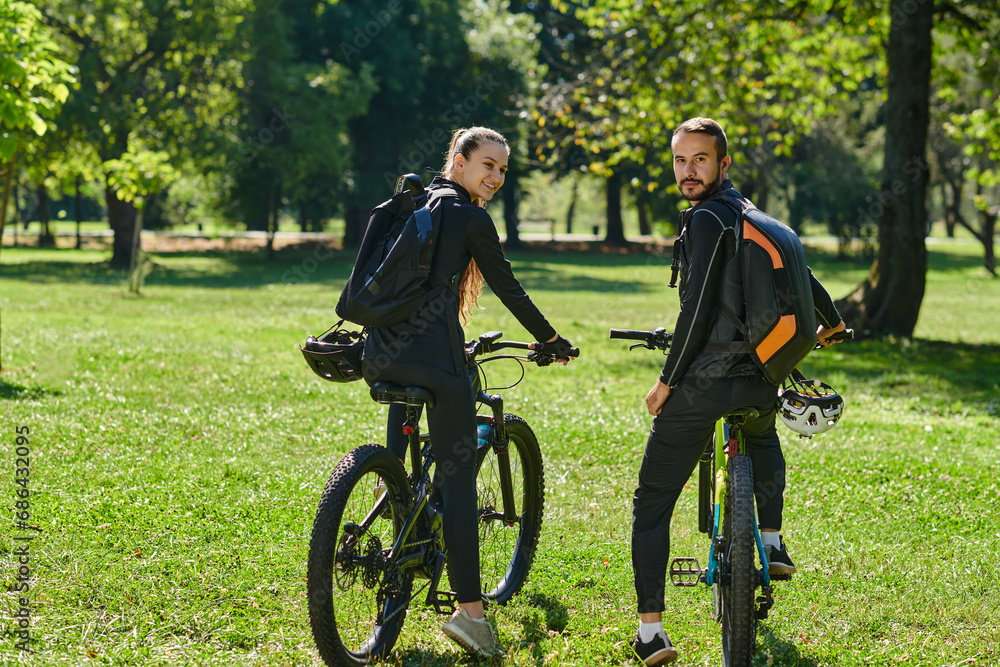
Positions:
(846, 334)
(629, 334)
(574, 352)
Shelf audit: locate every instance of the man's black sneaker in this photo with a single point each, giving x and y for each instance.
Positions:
(659, 651)
(778, 560)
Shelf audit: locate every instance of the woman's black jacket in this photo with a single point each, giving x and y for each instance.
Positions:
(434, 337)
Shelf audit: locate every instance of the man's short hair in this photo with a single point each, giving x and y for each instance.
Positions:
(709, 127)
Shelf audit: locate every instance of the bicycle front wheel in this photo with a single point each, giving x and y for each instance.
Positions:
(739, 624)
(356, 602)
(507, 550)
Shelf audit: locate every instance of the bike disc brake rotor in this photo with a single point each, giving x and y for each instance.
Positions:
(346, 572)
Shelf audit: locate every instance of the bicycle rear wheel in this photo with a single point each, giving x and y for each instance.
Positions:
(507, 551)
(356, 603)
(739, 624)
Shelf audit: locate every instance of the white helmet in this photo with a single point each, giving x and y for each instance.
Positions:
(810, 407)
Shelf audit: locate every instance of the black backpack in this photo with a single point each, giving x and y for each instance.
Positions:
(389, 281)
(780, 325)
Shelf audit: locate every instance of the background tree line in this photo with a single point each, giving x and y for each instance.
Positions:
(856, 115)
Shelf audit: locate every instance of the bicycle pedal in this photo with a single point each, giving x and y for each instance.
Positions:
(444, 602)
(764, 603)
(686, 572)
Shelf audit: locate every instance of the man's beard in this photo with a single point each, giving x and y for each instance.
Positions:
(710, 188)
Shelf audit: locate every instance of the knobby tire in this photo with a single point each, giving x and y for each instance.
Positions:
(346, 575)
(739, 627)
(507, 552)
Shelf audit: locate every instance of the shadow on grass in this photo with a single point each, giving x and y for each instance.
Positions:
(422, 658)
(213, 269)
(307, 264)
(18, 392)
(941, 371)
(782, 653)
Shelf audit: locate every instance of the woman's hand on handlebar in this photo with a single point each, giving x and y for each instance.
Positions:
(560, 348)
(822, 333)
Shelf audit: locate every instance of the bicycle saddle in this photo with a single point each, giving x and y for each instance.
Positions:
(741, 415)
(387, 392)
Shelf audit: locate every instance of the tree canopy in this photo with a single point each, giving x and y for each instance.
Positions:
(312, 108)
(34, 82)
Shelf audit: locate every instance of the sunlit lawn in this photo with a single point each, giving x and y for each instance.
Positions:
(179, 447)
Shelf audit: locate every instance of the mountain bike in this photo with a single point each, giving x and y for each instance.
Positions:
(378, 532)
(737, 564)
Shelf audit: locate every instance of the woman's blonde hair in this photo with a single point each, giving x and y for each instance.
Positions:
(466, 141)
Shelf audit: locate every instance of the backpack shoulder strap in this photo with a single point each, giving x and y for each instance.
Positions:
(426, 238)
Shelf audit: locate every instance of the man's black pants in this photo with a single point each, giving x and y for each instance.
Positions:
(676, 441)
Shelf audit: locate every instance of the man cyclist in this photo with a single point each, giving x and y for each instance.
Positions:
(696, 388)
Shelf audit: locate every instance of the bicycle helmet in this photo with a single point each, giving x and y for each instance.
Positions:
(809, 407)
(336, 355)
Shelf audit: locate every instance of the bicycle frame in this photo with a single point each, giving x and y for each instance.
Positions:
(404, 553)
(728, 441)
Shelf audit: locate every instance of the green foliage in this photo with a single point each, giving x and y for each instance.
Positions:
(33, 76)
(295, 106)
(137, 175)
(831, 176)
(767, 75)
(967, 100)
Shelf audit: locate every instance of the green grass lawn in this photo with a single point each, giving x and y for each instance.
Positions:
(179, 446)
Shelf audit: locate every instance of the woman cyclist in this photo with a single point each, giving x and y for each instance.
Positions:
(428, 351)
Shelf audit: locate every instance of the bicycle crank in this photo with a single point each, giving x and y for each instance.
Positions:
(764, 603)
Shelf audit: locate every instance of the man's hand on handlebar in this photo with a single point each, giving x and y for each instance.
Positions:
(822, 333)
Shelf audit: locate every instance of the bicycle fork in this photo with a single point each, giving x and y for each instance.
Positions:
(501, 446)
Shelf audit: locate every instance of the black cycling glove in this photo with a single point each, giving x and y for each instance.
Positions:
(561, 348)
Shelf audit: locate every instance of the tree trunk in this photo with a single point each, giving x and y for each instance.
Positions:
(354, 225)
(572, 206)
(8, 178)
(45, 237)
(642, 204)
(272, 220)
(121, 218)
(511, 201)
(952, 208)
(755, 188)
(78, 212)
(888, 302)
(989, 224)
(616, 228)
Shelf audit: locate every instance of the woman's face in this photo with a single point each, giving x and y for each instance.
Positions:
(484, 172)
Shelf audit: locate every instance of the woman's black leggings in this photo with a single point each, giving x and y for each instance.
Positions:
(452, 423)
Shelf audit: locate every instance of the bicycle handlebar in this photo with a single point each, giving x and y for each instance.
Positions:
(657, 338)
(846, 334)
(630, 334)
(490, 342)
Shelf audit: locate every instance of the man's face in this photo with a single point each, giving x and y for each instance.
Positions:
(696, 165)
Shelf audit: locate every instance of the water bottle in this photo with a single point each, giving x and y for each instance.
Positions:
(484, 435)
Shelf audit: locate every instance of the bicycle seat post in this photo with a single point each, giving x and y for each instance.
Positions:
(411, 428)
